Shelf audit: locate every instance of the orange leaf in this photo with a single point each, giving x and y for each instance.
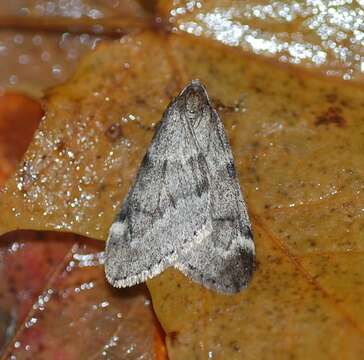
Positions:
(19, 118)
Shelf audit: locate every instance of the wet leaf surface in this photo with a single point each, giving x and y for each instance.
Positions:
(299, 179)
(55, 302)
(297, 141)
(323, 35)
(27, 260)
(83, 149)
(77, 313)
(41, 42)
(74, 9)
(33, 61)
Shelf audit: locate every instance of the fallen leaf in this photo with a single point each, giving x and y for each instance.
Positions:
(323, 35)
(300, 198)
(298, 173)
(32, 61)
(19, 118)
(80, 149)
(84, 8)
(45, 275)
(41, 42)
(27, 259)
(78, 313)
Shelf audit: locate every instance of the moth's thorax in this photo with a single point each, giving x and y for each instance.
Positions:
(194, 100)
(195, 111)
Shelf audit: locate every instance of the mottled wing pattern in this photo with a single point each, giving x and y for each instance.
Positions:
(161, 213)
(185, 208)
(224, 260)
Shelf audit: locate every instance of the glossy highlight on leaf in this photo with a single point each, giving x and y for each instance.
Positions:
(298, 143)
(45, 275)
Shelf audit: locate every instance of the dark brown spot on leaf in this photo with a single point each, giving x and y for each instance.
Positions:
(59, 145)
(173, 336)
(114, 132)
(332, 116)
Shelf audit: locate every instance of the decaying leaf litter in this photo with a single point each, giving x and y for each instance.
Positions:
(300, 196)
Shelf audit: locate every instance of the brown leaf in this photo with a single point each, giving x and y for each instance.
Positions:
(299, 180)
(300, 197)
(53, 287)
(81, 9)
(79, 150)
(33, 61)
(320, 35)
(42, 42)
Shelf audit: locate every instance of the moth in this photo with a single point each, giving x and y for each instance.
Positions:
(185, 208)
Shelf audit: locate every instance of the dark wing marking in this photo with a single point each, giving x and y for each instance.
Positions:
(162, 211)
(185, 207)
(224, 259)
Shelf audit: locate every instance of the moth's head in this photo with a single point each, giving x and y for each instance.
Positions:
(194, 100)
